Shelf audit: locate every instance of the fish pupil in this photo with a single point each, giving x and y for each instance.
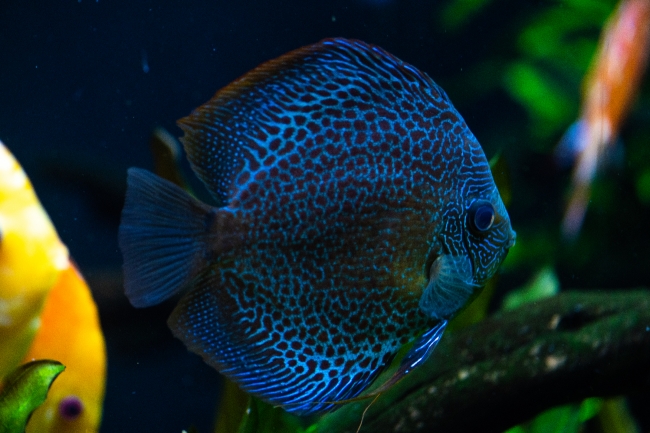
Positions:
(483, 217)
(70, 408)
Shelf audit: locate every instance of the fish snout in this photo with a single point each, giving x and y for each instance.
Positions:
(512, 239)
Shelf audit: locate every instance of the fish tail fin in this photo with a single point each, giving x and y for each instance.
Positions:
(163, 236)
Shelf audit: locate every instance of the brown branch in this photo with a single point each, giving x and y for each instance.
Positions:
(506, 369)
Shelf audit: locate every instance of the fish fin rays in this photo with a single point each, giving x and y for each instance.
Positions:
(210, 322)
(421, 350)
(162, 236)
(229, 139)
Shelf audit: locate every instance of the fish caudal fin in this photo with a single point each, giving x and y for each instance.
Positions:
(163, 237)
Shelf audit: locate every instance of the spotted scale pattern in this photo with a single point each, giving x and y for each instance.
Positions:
(342, 174)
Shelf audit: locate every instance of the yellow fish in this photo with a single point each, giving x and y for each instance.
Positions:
(46, 309)
(31, 258)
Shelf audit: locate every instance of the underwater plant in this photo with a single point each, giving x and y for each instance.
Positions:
(23, 391)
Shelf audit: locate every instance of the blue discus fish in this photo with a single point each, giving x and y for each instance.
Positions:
(355, 212)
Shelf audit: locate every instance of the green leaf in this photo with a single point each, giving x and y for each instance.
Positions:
(549, 107)
(25, 389)
(516, 429)
(535, 244)
(233, 404)
(543, 285)
(643, 186)
(458, 13)
(261, 417)
(615, 416)
(589, 408)
(501, 175)
(563, 419)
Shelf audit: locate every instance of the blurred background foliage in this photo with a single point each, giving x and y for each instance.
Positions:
(539, 66)
(532, 79)
(77, 106)
(552, 47)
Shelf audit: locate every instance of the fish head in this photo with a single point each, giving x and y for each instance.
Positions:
(488, 235)
(473, 241)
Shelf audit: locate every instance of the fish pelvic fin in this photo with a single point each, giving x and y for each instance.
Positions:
(419, 353)
(164, 237)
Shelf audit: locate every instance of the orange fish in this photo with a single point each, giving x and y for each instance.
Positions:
(46, 309)
(70, 332)
(609, 90)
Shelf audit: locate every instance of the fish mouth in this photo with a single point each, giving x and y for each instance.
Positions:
(512, 239)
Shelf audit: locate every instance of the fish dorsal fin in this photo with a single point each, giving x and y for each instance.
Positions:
(243, 129)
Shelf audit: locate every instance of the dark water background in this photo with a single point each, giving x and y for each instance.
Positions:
(83, 83)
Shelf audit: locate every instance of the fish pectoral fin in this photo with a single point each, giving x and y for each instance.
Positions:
(451, 285)
(422, 349)
(162, 236)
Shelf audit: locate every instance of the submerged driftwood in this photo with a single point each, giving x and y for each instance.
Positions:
(506, 369)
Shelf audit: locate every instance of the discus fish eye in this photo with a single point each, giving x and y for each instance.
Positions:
(70, 408)
(481, 217)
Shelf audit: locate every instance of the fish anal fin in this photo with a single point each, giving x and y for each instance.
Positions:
(234, 336)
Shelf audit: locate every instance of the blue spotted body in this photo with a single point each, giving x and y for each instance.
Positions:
(355, 212)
